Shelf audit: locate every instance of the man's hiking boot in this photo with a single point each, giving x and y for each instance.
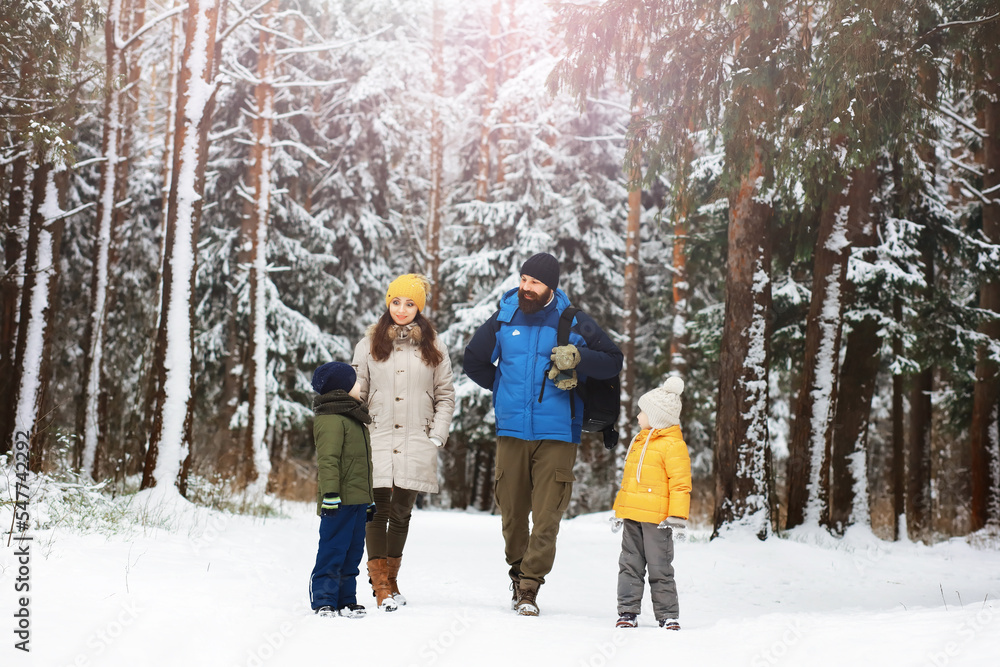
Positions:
(526, 605)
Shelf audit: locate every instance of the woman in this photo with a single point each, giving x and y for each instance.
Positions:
(406, 381)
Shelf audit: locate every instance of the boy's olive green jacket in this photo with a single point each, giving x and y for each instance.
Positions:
(343, 448)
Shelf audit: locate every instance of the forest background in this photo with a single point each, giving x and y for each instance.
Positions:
(794, 206)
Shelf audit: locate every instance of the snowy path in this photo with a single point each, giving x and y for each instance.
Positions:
(227, 590)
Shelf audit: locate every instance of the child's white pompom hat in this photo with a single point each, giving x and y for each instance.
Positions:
(663, 404)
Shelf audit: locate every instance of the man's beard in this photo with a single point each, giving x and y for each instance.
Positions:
(531, 303)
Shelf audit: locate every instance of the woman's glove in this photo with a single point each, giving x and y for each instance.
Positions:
(677, 526)
(565, 357)
(437, 441)
(331, 503)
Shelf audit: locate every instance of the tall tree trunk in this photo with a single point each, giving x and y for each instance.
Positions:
(985, 428)
(88, 423)
(742, 452)
(454, 457)
(169, 444)
(918, 473)
(630, 302)
(809, 448)
(849, 437)
(489, 100)
(255, 451)
(33, 319)
(681, 288)
(437, 157)
(897, 464)
(15, 239)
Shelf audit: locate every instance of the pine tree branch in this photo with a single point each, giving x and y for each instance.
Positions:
(961, 121)
(238, 22)
(952, 24)
(329, 47)
(122, 45)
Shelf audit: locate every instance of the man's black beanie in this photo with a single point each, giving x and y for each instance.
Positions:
(544, 268)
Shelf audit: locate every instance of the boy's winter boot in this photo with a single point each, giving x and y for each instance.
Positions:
(378, 573)
(393, 570)
(352, 611)
(670, 624)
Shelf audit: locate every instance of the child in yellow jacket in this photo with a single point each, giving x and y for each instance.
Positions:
(652, 505)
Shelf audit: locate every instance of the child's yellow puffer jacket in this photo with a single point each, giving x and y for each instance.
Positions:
(656, 482)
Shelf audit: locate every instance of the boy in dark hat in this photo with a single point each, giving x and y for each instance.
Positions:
(345, 503)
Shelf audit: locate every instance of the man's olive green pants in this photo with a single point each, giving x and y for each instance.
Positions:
(533, 477)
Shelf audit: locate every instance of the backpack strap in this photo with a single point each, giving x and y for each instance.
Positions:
(565, 322)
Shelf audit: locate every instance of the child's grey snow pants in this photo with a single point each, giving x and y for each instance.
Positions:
(644, 545)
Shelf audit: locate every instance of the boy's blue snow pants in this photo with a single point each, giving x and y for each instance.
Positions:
(334, 579)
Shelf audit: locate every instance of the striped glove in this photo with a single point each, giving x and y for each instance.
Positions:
(331, 503)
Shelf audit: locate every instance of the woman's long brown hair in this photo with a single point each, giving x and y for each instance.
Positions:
(382, 344)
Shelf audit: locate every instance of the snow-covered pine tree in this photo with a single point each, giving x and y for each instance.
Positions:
(42, 55)
(170, 439)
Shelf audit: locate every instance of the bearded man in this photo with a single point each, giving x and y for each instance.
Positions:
(516, 355)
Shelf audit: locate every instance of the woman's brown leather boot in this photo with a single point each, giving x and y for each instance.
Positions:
(393, 567)
(378, 574)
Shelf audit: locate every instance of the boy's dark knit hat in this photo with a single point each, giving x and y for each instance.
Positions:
(332, 376)
(544, 268)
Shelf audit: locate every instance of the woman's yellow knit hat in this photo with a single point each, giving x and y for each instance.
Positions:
(409, 286)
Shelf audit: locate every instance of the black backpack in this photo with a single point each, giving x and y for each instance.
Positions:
(602, 400)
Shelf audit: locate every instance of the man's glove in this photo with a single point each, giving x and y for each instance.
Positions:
(564, 380)
(370, 513)
(565, 357)
(677, 526)
(616, 524)
(331, 503)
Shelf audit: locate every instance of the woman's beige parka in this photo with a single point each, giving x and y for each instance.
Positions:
(409, 403)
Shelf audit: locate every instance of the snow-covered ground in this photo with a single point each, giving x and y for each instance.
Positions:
(199, 587)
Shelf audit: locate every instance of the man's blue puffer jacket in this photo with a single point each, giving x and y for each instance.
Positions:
(509, 355)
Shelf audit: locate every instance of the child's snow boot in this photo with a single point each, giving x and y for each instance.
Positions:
(352, 611)
(627, 620)
(670, 624)
(378, 574)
